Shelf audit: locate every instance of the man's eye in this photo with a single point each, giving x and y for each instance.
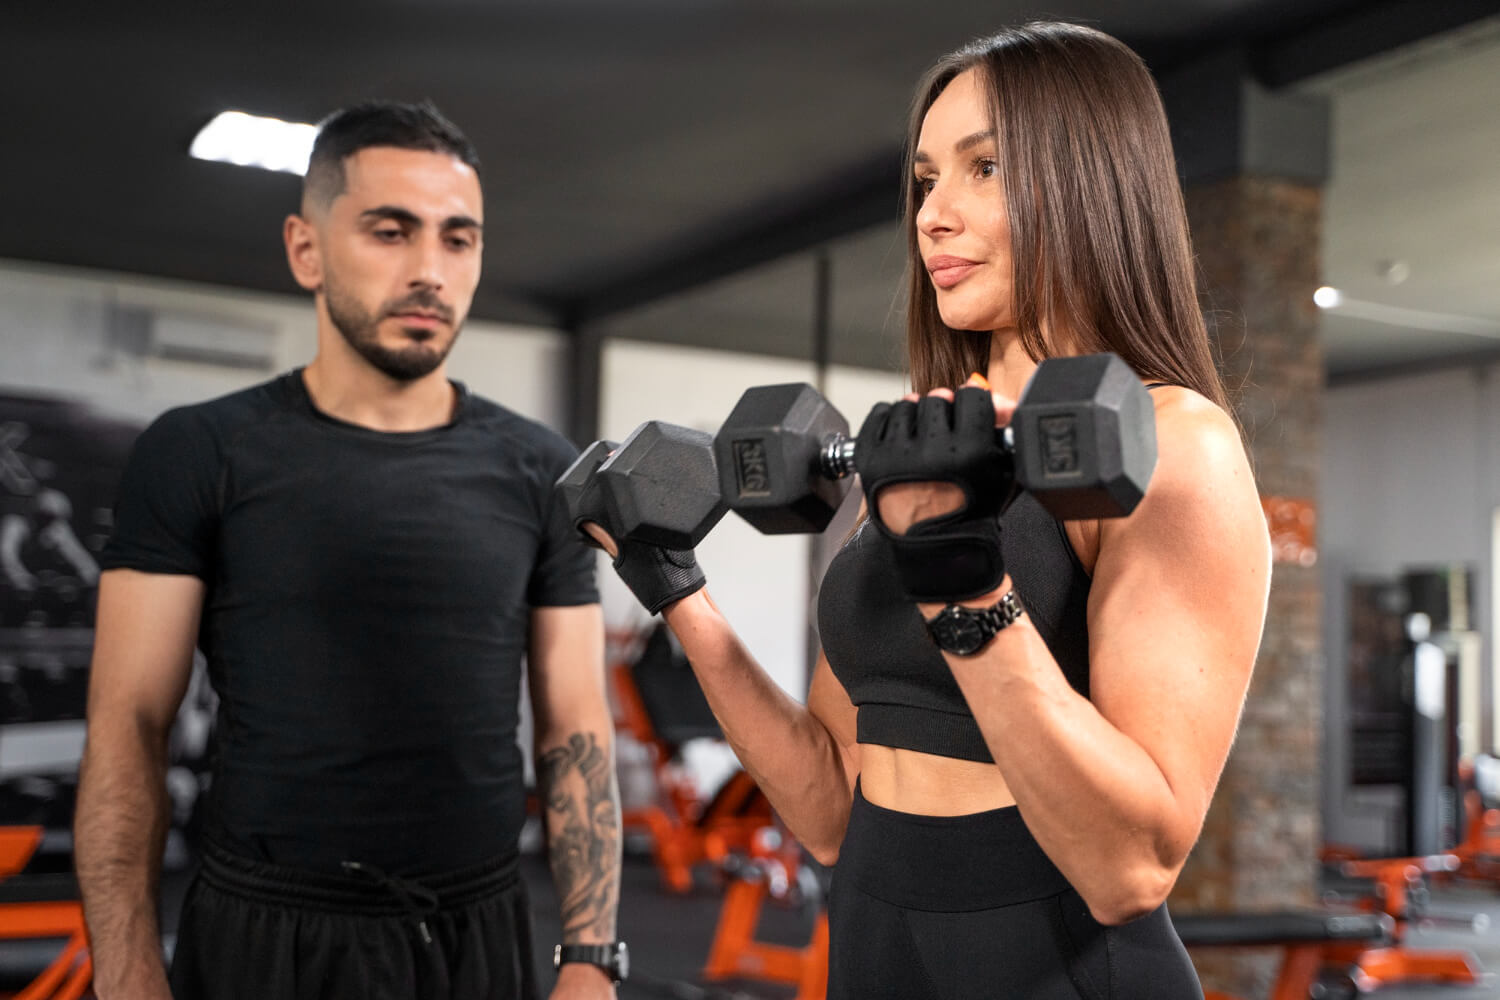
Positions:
(460, 242)
(387, 235)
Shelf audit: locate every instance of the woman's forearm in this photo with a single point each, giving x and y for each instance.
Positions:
(787, 750)
(1094, 799)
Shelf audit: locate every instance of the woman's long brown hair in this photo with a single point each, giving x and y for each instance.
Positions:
(1099, 234)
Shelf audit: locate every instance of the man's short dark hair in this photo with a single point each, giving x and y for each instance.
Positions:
(378, 123)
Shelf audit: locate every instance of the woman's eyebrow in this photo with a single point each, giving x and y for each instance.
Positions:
(967, 142)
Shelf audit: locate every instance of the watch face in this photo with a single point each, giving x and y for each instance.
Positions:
(958, 631)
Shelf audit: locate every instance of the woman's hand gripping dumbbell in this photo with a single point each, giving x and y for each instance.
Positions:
(1081, 440)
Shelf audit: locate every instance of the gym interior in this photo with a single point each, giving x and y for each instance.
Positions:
(688, 200)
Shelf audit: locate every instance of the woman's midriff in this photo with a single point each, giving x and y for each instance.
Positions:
(928, 785)
(912, 782)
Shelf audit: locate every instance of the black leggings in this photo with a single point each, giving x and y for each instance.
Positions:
(970, 908)
(253, 930)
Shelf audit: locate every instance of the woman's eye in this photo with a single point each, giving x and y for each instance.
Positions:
(987, 168)
(925, 185)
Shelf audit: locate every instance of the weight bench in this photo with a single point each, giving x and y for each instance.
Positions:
(1310, 940)
(43, 906)
(1399, 891)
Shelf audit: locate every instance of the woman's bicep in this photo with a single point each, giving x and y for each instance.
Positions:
(1178, 602)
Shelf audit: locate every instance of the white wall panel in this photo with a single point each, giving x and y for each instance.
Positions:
(524, 368)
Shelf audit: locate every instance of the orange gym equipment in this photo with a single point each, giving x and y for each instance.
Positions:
(771, 868)
(1399, 890)
(43, 906)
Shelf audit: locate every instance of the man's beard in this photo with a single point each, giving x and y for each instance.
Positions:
(360, 330)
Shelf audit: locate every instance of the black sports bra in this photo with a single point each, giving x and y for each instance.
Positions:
(879, 649)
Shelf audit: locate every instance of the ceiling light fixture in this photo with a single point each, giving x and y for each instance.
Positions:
(1328, 297)
(253, 141)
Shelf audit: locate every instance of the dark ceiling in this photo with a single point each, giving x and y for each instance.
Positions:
(632, 148)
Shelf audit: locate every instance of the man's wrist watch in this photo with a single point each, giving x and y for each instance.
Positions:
(613, 958)
(965, 631)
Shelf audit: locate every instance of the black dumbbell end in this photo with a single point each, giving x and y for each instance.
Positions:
(769, 458)
(574, 487)
(661, 486)
(1085, 437)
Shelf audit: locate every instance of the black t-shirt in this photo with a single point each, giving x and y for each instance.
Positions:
(367, 609)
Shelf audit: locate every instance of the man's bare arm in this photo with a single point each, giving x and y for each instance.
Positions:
(144, 636)
(576, 768)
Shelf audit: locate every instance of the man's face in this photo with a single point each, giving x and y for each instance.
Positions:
(400, 251)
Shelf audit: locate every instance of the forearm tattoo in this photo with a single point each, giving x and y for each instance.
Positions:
(577, 781)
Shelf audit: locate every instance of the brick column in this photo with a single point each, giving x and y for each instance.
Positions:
(1256, 230)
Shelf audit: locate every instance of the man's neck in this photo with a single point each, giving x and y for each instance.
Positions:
(359, 394)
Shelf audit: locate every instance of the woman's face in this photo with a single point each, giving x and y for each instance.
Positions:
(963, 232)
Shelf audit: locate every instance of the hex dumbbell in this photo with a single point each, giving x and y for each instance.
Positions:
(1083, 438)
(658, 486)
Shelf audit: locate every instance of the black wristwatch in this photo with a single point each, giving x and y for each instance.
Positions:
(614, 958)
(965, 631)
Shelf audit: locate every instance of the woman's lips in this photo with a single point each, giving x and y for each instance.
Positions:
(949, 271)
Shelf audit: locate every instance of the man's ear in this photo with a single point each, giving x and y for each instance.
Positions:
(301, 239)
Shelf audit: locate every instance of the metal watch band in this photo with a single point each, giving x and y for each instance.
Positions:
(965, 631)
(1005, 611)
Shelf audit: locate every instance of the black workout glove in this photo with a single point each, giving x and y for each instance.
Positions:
(655, 575)
(957, 555)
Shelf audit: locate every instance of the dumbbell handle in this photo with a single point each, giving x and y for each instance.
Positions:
(836, 457)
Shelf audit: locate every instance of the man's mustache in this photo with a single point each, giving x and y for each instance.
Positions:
(424, 301)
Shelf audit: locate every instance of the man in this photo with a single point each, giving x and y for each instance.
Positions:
(364, 551)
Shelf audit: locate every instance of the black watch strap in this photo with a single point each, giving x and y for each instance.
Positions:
(613, 958)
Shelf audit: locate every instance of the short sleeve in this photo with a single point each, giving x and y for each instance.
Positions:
(563, 574)
(167, 506)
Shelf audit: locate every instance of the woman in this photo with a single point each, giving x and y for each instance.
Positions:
(1009, 822)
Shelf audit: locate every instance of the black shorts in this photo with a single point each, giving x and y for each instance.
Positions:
(970, 908)
(253, 930)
